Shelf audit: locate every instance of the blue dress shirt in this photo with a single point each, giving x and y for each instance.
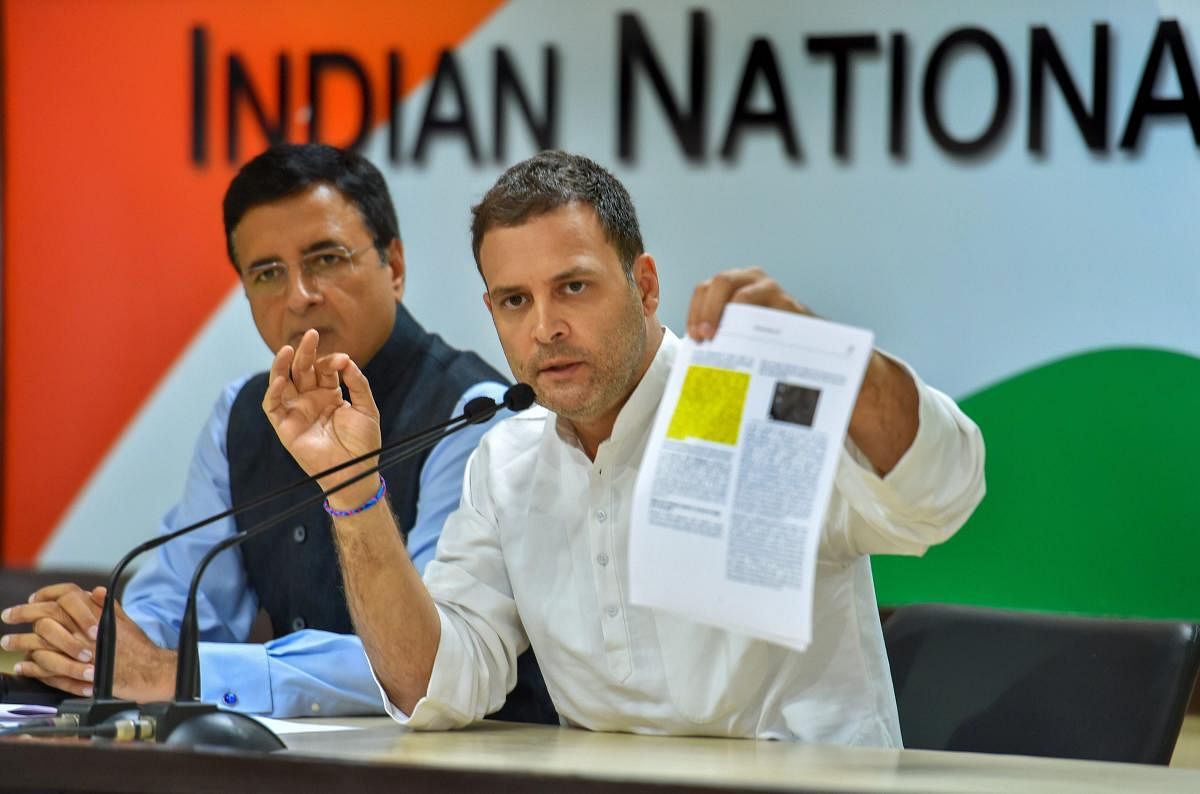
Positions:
(304, 673)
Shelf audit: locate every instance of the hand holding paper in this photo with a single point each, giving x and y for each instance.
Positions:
(749, 285)
(738, 470)
(883, 422)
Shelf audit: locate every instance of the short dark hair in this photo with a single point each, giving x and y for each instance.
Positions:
(554, 179)
(290, 168)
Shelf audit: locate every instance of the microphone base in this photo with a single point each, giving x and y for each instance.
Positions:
(93, 712)
(195, 724)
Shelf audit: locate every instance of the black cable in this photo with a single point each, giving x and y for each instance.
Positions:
(124, 730)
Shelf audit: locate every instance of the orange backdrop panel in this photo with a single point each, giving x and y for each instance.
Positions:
(114, 256)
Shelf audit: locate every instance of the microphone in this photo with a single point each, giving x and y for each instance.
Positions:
(102, 705)
(518, 397)
(186, 720)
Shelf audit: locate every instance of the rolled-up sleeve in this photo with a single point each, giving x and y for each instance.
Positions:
(925, 498)
(481, 633)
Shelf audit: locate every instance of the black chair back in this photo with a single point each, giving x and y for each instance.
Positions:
(996, 681)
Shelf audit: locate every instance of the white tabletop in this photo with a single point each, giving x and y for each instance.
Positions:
(722, 762)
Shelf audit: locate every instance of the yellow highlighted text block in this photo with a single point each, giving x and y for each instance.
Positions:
(710, 405)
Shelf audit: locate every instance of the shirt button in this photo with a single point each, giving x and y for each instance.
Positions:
(230, 699)
(612, 612)
(298, 623)
(299, 534)
(316, 708)
(602, 558)
(601, 516)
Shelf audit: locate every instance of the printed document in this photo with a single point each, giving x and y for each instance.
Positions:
(738, 470)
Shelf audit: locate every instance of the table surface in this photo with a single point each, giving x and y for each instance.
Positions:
(733, 763)
(376, 754)
(687, 762)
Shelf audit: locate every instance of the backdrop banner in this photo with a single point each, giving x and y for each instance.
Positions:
(1006, 193)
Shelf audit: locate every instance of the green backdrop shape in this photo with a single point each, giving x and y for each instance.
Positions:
(1093, 503)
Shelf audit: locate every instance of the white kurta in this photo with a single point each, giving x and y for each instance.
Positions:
(537, 553)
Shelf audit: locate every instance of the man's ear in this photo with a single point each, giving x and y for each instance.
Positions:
(645, 277)
(395, 254)
(487, 301)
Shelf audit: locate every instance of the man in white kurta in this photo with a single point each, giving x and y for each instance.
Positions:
(533, 504)
(537, 553)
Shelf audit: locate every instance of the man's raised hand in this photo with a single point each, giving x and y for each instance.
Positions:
(749, 285)
(314, 423)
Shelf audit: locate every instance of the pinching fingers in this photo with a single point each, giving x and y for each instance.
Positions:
(304, 374)
(359, 390)
(328, 370)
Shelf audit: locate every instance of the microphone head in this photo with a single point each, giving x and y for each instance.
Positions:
(480, 410)
(519, 397)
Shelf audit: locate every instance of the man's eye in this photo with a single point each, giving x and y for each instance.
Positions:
(326, 260)
(575, 287)
(513, 302)
(265, 275)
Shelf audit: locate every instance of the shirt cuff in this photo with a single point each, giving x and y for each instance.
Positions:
(932, 489)
(236, 676)
(433, 712)
(910, 477)
(933, 429)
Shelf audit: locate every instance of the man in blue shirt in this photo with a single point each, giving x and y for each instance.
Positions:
(313, 235)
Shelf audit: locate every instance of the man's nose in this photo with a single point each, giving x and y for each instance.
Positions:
(302, 290)
(549, 325)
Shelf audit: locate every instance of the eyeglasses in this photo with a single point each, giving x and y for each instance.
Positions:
(319, 268)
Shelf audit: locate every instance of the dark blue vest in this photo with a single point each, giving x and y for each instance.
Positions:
(417, 379)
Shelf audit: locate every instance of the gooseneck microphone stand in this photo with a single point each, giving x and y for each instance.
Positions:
(208, 724)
